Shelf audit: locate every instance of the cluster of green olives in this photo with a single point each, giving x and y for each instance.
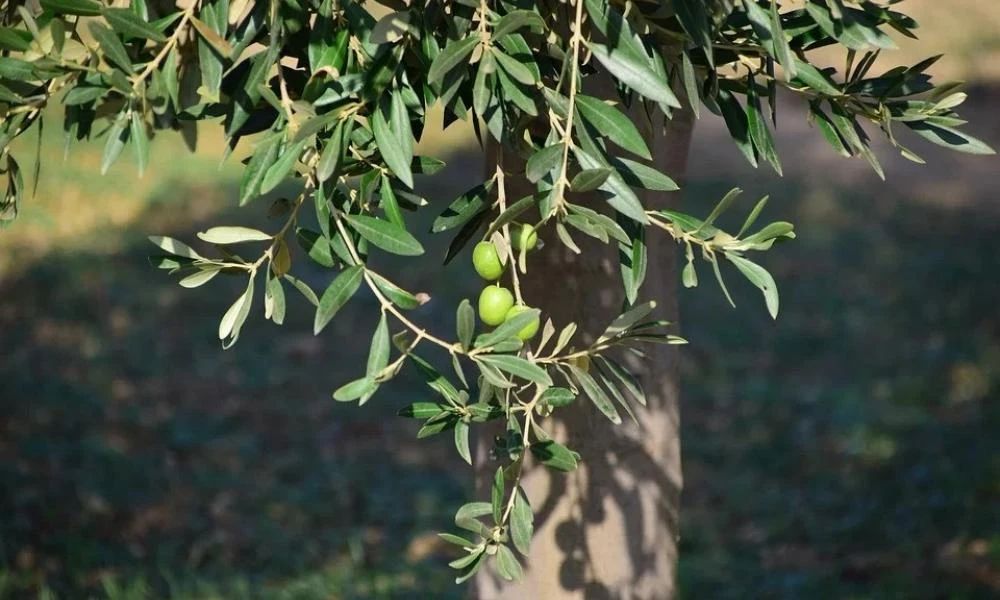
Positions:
(496, 303)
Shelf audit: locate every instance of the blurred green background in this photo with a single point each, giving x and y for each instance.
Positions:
(848, 450)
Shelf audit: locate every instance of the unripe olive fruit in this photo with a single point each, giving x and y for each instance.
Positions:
(528, 331)
(525, 237)
(486, 260)
(494, 302)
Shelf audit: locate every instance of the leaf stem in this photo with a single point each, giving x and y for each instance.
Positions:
(567, 139)
(292, 218)
(529, 411)
(167, 47)
(286, 100)
(387, 304)
(502, 202)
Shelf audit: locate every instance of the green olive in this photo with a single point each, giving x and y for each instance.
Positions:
(528, 331)
(494, 302)
(525, 237)
(486, 260)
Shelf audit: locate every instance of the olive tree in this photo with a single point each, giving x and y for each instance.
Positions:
(585, 108)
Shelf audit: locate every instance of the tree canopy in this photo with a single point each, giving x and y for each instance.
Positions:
(335, 93)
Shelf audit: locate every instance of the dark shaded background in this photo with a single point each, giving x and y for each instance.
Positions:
(848, 450)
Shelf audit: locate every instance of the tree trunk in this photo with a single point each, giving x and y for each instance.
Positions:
(609, 529)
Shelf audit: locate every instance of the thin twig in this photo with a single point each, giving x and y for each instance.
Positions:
(167, 47)
(567, 140)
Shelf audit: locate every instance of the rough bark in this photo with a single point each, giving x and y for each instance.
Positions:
(609, 529)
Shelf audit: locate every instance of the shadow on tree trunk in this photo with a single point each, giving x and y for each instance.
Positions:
(608, 529)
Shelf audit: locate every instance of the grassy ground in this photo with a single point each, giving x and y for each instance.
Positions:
(848, 450)
(133, 445)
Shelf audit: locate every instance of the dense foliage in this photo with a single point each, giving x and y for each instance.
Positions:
(335, 93)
